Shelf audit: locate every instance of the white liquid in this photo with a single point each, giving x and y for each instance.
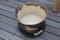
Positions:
(29, 15)
(30, 19)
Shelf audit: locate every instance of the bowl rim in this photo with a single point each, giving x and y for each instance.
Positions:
(31, 3)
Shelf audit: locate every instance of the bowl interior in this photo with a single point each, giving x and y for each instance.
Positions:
(31, 14)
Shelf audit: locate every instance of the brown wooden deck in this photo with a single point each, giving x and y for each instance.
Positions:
(8, 23)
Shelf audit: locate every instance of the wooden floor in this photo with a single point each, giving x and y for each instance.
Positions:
(8, 23)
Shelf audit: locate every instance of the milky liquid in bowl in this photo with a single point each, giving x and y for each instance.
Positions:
(31, 15)
(31, 19)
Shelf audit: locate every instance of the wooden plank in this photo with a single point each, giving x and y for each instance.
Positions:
(8, 20)
(29, 0)
(49, 13)
(52, 23)
(14, 30)
(16, 2)
(8, 14)
(11, 4)
(34, 0)
(8, 36)
(51, 0)
(52, 13)
(7, 8)
(46, 2)
(12, 14)
(52, 30)
(20, 3)
(43, 1)
(49, 5)
(47, 22)
(14, 23)
(49, 36)
(2, 38)
(54, 18)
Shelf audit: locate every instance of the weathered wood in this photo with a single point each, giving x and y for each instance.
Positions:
(2, 38)
(49, 22)
(54, 17)
(50, 12)
(41, 1)
(52, 23)
(29, 0)
(15, 3)
(14, 30)
(49, 36)
(35, 0)
(8, 14)
(51, 0)
(46, 2)
(11, 4)
(14, 23)
(19, 3)
(7, 8)
(49, 5)
(10, 25)
(8, 36)
(52, 30)
(12, 15)
(8, 20)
